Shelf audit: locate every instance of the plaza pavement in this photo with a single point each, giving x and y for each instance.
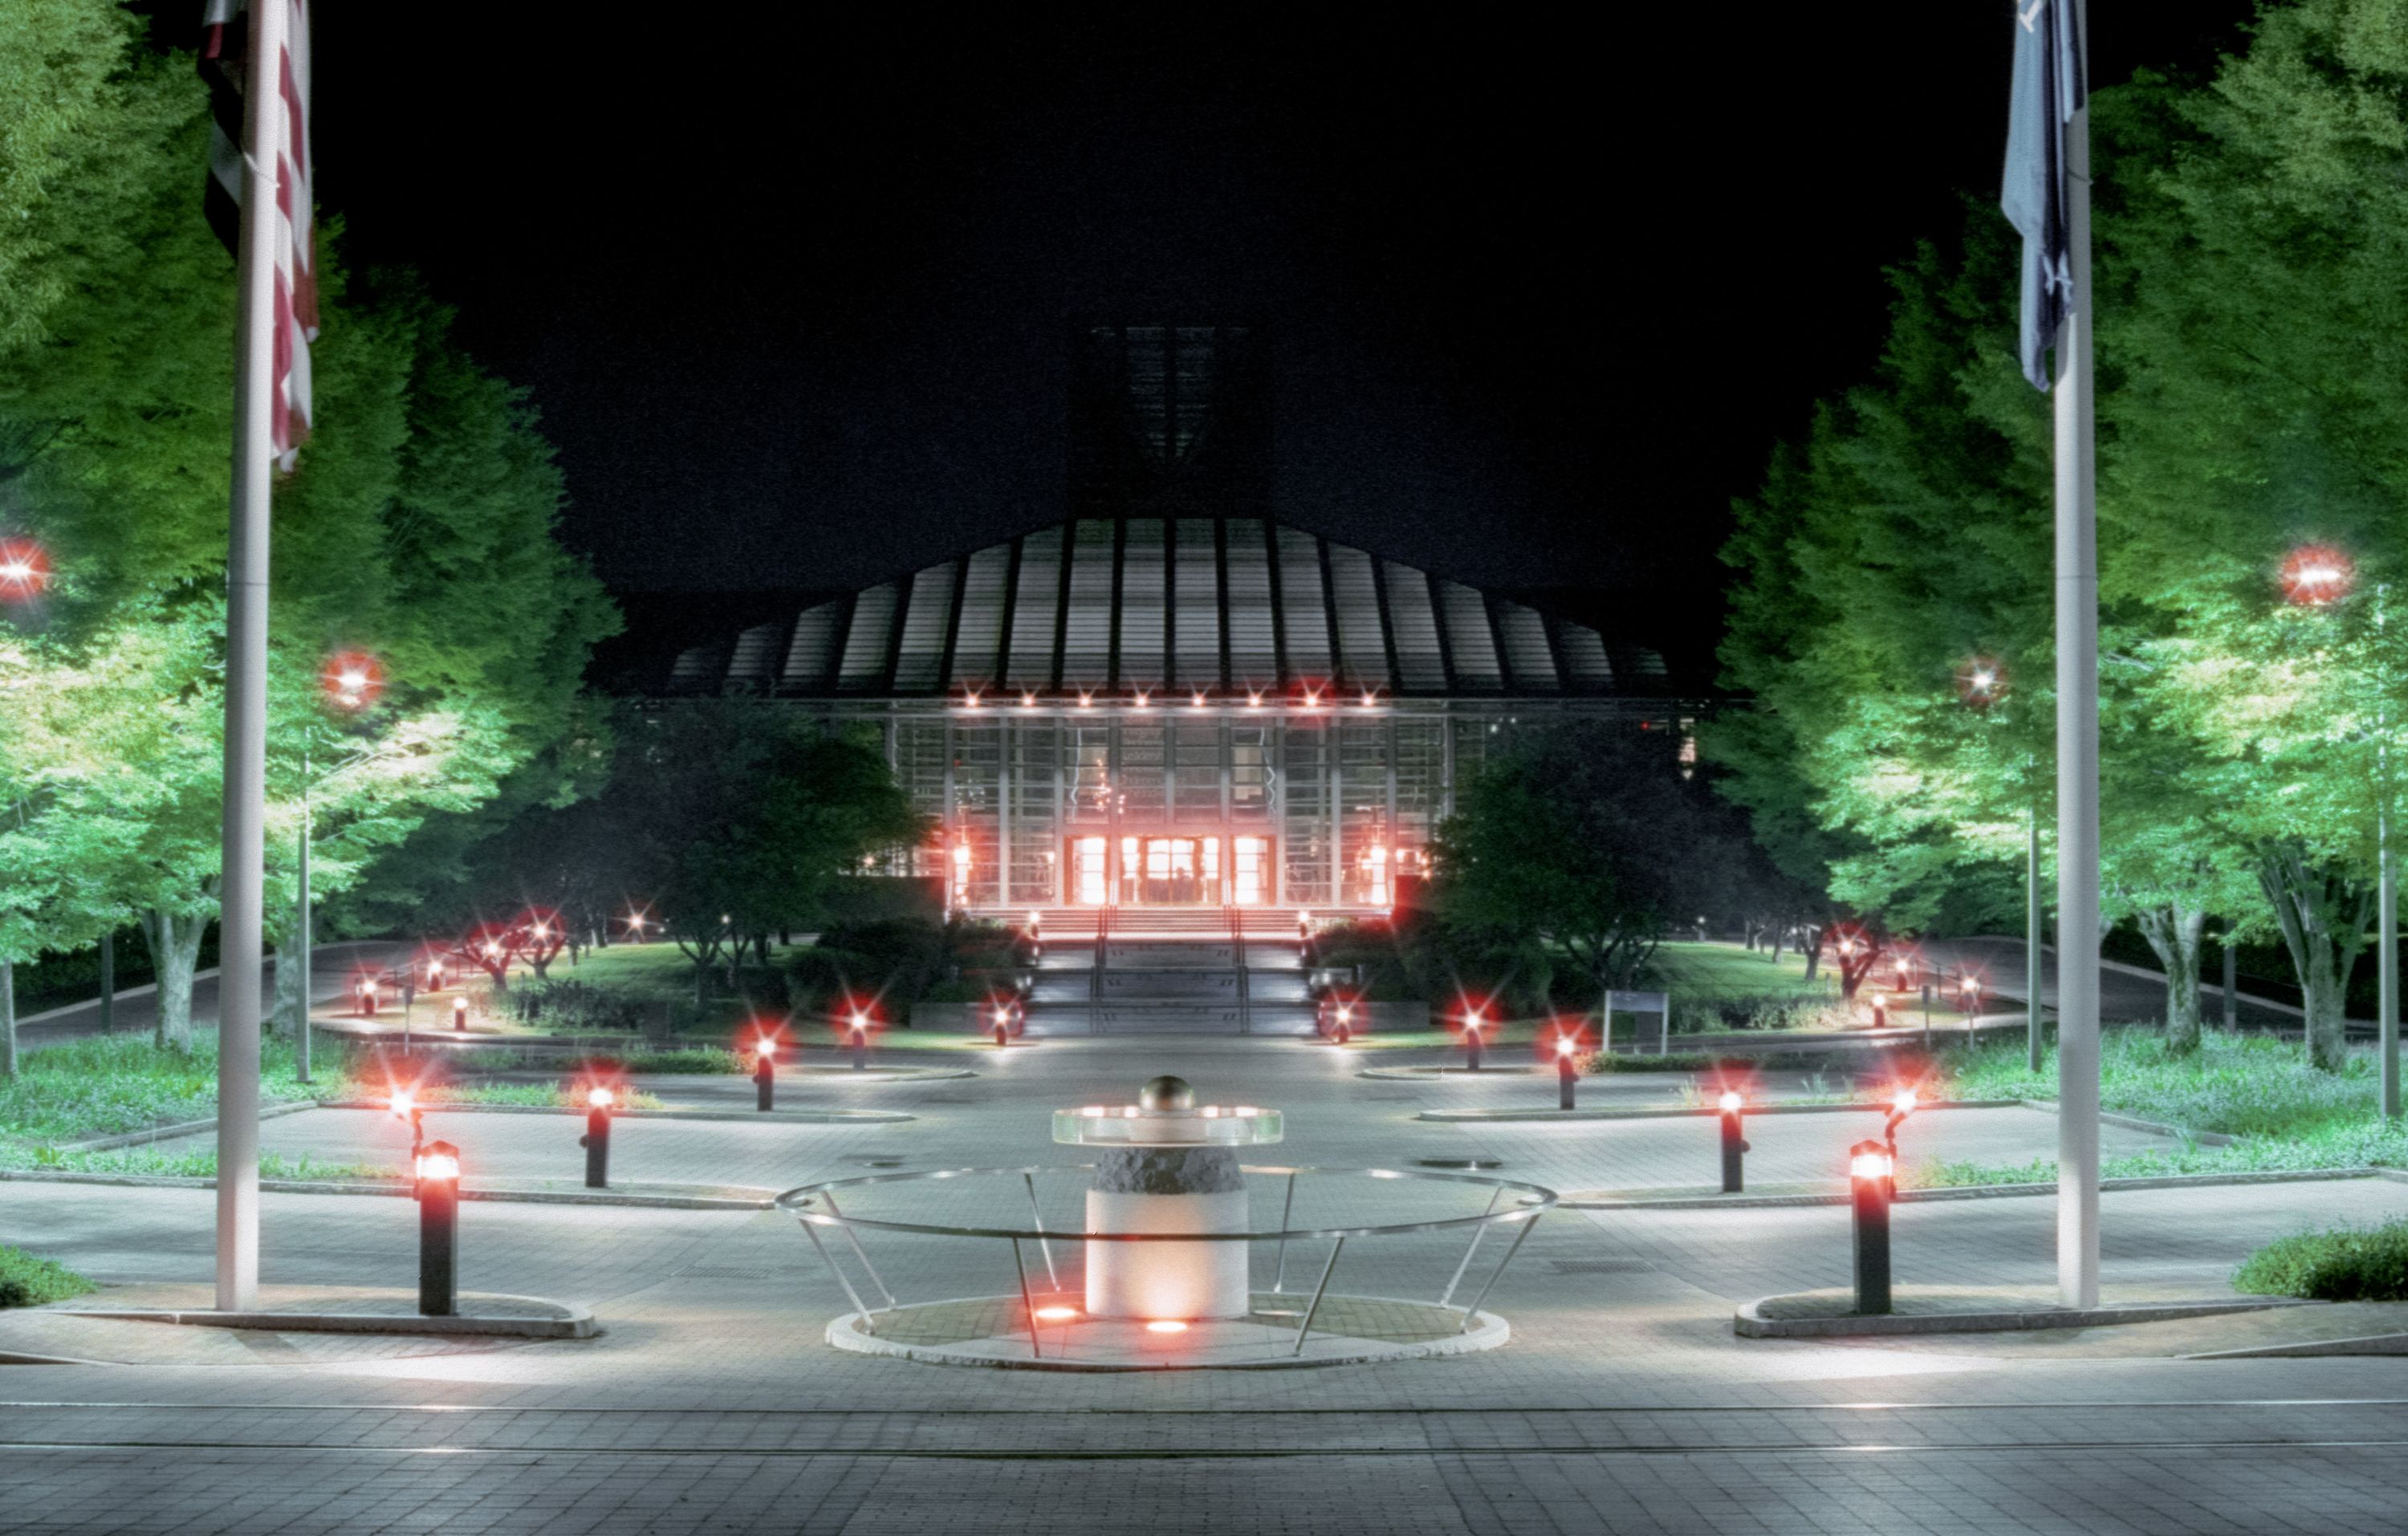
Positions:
(1622, 1402)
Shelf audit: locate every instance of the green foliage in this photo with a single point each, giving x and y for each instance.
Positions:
(2340, 1264)
(2249, 235)
(111, 1083)
(2235, 1084)
(420, 526)
(1586, 836)
(27, 1280)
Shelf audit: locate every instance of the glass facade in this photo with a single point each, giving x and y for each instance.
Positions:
(1183, 807)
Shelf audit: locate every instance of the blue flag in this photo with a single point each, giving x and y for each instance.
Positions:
(2051, 85)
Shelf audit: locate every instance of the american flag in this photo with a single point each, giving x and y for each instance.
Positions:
(295, 234)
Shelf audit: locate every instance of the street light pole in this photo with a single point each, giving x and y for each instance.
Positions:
(2031, 945)
(305, 942)
(2388, 879)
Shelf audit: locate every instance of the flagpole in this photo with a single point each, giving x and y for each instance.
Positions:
(239, 943)
(2077, 741)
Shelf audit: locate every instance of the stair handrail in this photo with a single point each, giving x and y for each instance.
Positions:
(1245, 983)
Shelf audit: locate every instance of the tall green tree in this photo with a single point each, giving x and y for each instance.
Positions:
(1589, 837)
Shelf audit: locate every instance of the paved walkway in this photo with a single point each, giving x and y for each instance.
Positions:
(1624, 1403)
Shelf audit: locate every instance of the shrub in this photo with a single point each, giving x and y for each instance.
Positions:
(2345, 1264)
(26, 1281)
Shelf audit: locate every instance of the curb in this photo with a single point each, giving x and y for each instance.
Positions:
(186, 1128)
(1989, 1191)
(2129, 1121)
(1748, 1322)
(399, 1188)
(799, 1117)
(2363, 1343)
(1479, 1117)
(568, 1322)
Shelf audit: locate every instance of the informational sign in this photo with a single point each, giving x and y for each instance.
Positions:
(1656, 1006)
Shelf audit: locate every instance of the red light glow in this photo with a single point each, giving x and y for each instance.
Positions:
(2315, 575)
(1057, 1314)
(1731, 1103)
(598, 1098)
(24, 570)
(351, 680)
(1166, 1325)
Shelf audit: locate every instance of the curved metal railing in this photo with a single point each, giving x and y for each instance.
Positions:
(814, 1206)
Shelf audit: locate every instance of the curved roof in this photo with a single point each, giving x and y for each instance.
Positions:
(1122, 604)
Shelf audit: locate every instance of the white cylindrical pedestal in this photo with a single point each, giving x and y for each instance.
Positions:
(1168, 1189)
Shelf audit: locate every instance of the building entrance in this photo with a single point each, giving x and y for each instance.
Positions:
(1181, 869)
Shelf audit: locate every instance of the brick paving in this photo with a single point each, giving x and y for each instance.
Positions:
(1623, 1403)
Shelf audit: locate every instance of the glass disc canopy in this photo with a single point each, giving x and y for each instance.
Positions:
(1128, 1126)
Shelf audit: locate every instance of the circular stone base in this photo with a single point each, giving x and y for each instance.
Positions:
(1347, 1330)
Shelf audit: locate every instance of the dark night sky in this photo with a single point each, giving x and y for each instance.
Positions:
(792, 295)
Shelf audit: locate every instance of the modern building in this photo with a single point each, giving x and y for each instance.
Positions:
(1172, 697)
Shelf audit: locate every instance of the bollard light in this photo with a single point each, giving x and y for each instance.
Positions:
(1872, 1169)
(1881, 1012)
(1735, 1147)
(437, 1166)
(764, 1073)
(1901, 1104)
(597, 1139)
(368, 997)
(1566, 1070)
(860, 1040)
(460, 1014)
(1345, 1025)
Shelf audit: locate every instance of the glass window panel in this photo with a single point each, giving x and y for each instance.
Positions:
(808, 657)
(979, 642)
(1526, 652)
(1302, 608)
(1198, 604)
(922, 649)
(1358, 617)
(1409, 609)
(865, 648)
(1034, 606)
(1470, 642)
(1140, 776)
(1087, 633)
(1254, 650)
(1142, 573)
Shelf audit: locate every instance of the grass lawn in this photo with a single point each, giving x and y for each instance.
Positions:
(2285, 1113)
(1732, 969)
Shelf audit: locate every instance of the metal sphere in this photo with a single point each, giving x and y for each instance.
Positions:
(1165, 1092)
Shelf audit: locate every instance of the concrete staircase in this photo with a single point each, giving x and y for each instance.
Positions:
(1184, 970)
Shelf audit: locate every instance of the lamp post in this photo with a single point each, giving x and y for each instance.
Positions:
(1734, 1147)
(350, 682)
(1870, 1174)
(437, 1167)
(597, 1139)
(2320, 576)
(1982, 682)
(764, 1073)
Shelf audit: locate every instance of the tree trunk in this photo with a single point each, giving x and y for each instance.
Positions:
(2323, 915)
(7, 1018)
(1781, 931)
(175, 945)
(701, 983)
(2174, 933)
